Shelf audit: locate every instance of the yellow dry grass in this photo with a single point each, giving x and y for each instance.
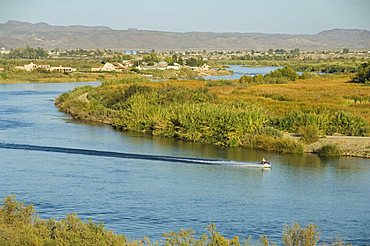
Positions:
(311, 94)
(330, 93)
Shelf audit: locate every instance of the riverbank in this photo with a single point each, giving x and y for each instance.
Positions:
(230, 115)
(17, 77)
(215, 72)
(348, 145)
(330, 103)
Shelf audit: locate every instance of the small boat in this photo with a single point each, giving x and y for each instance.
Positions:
(265, 164)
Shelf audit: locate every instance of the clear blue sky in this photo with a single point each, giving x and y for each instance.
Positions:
(269, 16)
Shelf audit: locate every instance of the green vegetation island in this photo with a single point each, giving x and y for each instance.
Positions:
(323, 110)
(20, 225)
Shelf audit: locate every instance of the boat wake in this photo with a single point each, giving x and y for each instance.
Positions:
(113, 154)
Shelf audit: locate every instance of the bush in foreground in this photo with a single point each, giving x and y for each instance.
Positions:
(19, 225)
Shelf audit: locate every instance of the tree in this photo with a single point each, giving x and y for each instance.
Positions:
(169, 60)
(258, 78)
(193, 62)
(180, 61)
(295, 52)
(280, 51)
(286, 72)
(363, 74)
(151, 58)
(28, 53)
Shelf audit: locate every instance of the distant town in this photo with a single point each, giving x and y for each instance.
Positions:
(203, 62)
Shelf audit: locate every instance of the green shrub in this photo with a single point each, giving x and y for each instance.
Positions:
(129, 80)
(295, 235)
(286, 72)
(308, 75)
(278, 76)
(330, 150)
(222, 82)
(276, 97)
(258, 79)
(19, 225)
(326, 122)
(297, 119)
(349, 125)
(4, 75)
(245, 79)
(269, 131)
(276, 144)
(363, 74)
(309, 133)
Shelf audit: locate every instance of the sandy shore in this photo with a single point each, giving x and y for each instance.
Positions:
(350, 146)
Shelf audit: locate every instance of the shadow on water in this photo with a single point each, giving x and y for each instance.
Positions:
(183, 148)
(304, 161)
(90, 152)
(196, 150)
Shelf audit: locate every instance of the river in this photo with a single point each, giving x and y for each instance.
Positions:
(239, 71)
(138, 196)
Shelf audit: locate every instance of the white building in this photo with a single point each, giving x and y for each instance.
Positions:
(175, 66)
(205, 67)
(32, 66)
(108, 67)
(4, 51)
(61, 69)
(27, 67)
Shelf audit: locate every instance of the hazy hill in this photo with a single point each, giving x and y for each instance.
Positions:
(19, 34)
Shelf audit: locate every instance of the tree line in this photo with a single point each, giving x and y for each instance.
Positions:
(28, 53)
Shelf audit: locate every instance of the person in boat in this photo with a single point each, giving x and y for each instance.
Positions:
(264, 161)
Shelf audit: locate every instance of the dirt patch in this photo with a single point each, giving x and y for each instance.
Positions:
(350, 146)
(83, 98)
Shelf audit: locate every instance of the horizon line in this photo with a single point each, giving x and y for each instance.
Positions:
(157, 30)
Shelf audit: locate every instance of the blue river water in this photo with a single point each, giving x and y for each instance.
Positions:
(138, 196)
(239, 71)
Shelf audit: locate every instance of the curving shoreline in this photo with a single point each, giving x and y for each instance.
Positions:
(349, 145)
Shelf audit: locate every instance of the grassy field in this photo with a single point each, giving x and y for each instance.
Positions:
(334, 93)
(338, 65)
(19, 76)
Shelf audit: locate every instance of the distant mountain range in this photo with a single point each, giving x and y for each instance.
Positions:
(20, 34)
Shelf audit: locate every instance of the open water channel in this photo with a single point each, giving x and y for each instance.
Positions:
(138, 196)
